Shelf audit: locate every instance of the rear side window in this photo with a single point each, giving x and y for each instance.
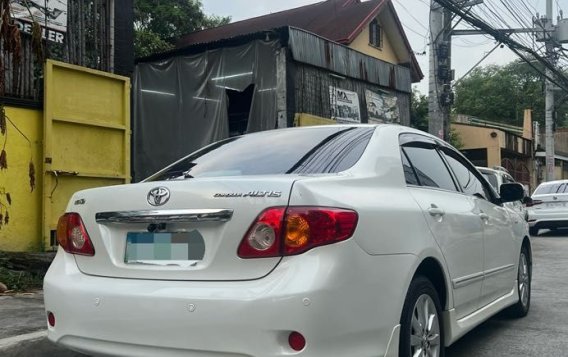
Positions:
(429, 167)
(409, 173)
(469, 182)
(317, 150)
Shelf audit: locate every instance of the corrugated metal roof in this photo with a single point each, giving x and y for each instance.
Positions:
(337, 20)
(317, 51)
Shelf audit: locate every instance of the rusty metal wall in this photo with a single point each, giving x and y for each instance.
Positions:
(317, 51)
(87, 43)
(311, 92)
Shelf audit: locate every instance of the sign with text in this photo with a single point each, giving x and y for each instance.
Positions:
(51, 15)
(382, 108)
(344, 105)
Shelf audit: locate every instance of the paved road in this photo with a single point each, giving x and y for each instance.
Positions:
(542, 333)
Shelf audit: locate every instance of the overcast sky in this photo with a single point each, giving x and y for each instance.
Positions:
(467, 50)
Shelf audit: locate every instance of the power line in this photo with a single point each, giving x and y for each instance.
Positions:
(409, 13)
(519, 49)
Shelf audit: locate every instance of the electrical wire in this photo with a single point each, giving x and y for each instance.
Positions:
(558, 77)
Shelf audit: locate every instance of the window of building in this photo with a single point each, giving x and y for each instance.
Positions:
(375, 34)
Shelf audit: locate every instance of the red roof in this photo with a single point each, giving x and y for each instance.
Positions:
(337, 20)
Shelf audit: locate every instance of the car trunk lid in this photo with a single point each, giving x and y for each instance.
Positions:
(194, 234)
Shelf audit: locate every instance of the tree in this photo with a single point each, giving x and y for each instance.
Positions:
(158, 24)
(502, 93)
(419, 111)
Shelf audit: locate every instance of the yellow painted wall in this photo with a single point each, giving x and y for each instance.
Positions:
(86, 138)
(361, 44)
(23, 231)
(303, 119)
(474, 137)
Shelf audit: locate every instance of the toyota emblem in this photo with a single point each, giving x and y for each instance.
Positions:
(158, 196)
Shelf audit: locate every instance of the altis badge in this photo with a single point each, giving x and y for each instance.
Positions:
(252, 194)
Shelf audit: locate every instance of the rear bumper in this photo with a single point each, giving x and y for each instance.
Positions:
(340, 311)
(542, 220)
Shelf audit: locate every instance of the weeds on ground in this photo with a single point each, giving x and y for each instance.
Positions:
(18, 281)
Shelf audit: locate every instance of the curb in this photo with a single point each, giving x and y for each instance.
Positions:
(8, 342)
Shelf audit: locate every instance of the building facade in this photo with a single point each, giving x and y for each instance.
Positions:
(338, 61)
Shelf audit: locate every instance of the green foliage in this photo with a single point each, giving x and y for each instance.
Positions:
(419, 111)
(502, 93)
(158, 24)
(20, 280)
(455, 139)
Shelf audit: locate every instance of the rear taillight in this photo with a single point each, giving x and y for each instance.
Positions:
(281, 231)
(72, 235)
(533, 203)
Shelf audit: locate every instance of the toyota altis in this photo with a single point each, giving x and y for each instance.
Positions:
(321, 241)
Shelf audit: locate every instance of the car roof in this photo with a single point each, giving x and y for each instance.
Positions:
(555, 182)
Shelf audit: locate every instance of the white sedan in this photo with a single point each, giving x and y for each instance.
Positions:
(321, 241)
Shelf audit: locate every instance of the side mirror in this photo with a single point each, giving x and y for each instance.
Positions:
(511, 192)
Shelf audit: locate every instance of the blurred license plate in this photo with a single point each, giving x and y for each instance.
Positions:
(177, 248)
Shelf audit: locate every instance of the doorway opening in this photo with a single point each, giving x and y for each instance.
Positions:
(239, 110)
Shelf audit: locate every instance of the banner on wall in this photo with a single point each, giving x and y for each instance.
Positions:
(51, 15)
(344, 105)
(382, 108)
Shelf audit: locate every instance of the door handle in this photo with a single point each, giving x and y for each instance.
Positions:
(436, 211)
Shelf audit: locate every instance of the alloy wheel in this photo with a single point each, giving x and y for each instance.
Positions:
(524, 279)
(425, 329)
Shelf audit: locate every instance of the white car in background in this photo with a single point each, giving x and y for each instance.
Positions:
(498, 176)
(323, 241)
(549, 206)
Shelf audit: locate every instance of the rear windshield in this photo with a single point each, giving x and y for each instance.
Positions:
(551, 189)
(310, 151)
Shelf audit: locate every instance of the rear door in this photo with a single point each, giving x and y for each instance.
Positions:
(452, 216)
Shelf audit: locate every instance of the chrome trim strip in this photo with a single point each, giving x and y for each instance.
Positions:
(467, 280)
(499, 270)
(165, 216)
(470, 279)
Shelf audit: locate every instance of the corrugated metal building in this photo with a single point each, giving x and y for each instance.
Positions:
(334, 61)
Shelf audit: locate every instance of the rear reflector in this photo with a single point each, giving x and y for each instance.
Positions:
(297, 341)
(72, 235)
(51, 319)
(282, 232)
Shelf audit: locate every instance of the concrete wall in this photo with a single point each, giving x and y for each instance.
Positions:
(474, 137)
(23, 231)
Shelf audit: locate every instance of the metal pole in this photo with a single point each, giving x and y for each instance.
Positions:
(435, 111)
(549, 99)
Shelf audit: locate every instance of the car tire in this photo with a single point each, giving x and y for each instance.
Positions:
(417, 332)
(533, 231)
(524, 277)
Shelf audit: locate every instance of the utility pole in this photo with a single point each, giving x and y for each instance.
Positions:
(549, 99)
(547, 33)
(440, 97)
